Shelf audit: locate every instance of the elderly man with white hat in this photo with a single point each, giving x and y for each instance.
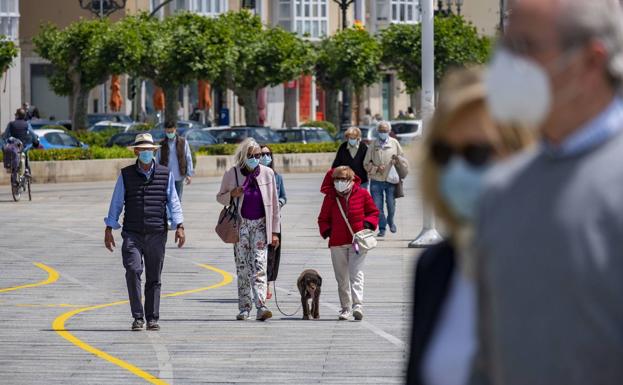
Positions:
(145, 189)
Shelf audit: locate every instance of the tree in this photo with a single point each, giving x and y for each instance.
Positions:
(262, 57)
(457, 43)
(350, 58)
(84, 55)
(8, 52)
(182, 48)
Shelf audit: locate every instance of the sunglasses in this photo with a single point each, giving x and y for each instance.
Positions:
(475, 154)
(267, 154)
(256, 156)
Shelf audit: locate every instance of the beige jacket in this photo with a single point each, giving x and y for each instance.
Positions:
(268, 188)
(381, 155)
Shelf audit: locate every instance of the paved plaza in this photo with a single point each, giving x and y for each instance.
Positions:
(64, 318)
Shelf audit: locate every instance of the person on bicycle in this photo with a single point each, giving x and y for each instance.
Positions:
(20, 128)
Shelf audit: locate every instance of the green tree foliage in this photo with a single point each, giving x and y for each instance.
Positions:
(84, 55)
(457, 44)
(350, 58)
(261, 57)
(8, 52)
(182, 48)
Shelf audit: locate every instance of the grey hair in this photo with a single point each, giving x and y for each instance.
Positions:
(582, 21)
(243, 150)
(384, 123)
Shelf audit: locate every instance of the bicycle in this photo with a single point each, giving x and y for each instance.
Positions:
(20, 176)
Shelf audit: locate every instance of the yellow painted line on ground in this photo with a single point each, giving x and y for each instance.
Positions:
(52, 277)
(59, 327)
(46, 305)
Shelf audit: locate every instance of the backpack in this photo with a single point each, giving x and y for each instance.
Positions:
(11, 153)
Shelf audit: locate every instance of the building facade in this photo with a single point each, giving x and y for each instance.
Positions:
(288, 104)
(10, 87)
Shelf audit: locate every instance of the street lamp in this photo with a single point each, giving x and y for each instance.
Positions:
(346, 95)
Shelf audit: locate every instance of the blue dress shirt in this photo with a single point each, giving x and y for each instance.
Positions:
(597, 131)
(118, 200)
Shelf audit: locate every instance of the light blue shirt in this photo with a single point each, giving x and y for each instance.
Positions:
(599, 130)
(174, 165)
(118, 200)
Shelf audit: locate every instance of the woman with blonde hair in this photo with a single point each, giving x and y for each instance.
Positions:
(252, 186)
(352, 153)
(462, 143)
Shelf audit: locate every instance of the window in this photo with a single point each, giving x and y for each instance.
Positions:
(9, 18)
(305, 17)
(405, 11)
(205, 7)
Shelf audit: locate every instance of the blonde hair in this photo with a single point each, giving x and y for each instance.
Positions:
(462, 91)
(343, 170)
(243, 151)
(353, 131)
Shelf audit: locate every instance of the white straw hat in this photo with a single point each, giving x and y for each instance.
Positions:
(144, 141)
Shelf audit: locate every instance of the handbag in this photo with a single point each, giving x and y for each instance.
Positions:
(399, 190)
(228, 226)
(402, 166)
(363, 239)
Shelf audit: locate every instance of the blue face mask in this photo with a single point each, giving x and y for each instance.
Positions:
(460, 185)
(353, 142)
(171, 135)
(252, 163)
(265, 160)
(383, 136)
(146, 156)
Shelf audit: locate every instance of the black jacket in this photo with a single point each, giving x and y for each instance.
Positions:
(433, 275)
(343, 158)
(145, 199)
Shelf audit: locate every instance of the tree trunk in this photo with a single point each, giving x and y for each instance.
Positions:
(415, 103)
(249, 100)
(170, 102)
(79, 99)
(333, 114)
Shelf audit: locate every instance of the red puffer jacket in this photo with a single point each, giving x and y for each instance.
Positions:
(360, 210)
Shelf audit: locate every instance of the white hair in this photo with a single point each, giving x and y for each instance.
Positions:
(243, 150)
(384, 123)
(581, 21)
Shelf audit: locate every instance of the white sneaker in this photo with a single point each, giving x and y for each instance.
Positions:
(358, 313)
(344, 315)
(243, 315)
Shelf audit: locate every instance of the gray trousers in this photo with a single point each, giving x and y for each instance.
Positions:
(146, 250)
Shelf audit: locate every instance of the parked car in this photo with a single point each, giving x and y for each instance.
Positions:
(123, 139)
(92, 119)
(196, 138)
(182, 124)
(56, 138)
(368, 134)
(38, 124)
(305, 135)
(119, 127)
(407, 130)
(236, 134)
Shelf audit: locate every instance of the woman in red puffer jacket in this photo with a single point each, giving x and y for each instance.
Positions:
(342, 184)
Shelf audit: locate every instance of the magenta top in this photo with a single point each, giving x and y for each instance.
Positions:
(252, 205)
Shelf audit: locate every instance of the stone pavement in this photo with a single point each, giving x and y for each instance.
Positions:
(199, 343)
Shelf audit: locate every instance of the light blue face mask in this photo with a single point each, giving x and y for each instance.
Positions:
(146, 156)
(353, 142)
(265, 160)
(383, 136)
(171, 135)
(252, 163)
(460, 185)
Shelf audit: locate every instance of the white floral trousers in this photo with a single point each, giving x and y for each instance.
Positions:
(251, 253)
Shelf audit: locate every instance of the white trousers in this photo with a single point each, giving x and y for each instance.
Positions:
(348, 269)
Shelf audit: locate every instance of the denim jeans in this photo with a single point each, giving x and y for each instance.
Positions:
(179, 188)
(384, 192)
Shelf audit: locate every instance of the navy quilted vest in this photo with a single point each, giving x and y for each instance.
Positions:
(145, 199)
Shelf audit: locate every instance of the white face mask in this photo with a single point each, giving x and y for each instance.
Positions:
(342, 186)
(518, 90)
